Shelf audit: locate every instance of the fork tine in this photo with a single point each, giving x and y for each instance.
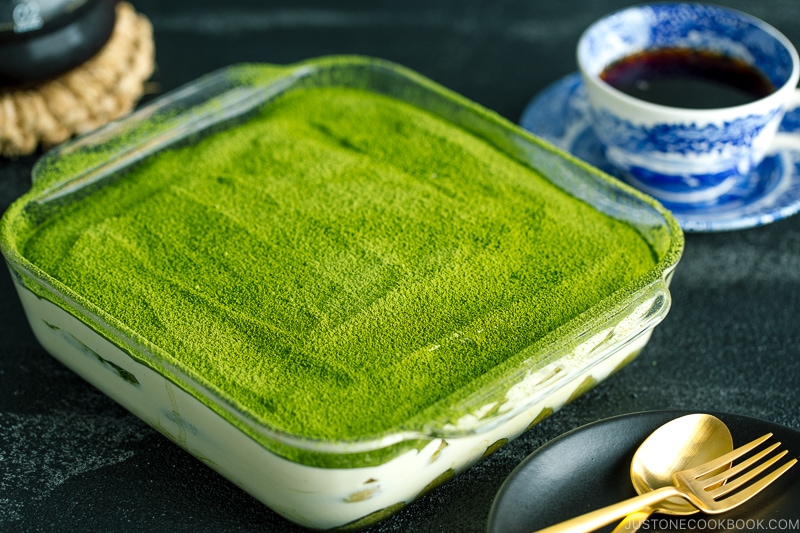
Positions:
(747, 493)
(746, 477)
(726, 459)
(740, 467)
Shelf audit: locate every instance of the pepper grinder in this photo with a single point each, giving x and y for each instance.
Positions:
(41, 39)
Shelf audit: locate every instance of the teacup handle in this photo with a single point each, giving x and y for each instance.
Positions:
(787, 141)
(794, 101)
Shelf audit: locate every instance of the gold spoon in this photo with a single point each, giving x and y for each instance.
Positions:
(682, 443)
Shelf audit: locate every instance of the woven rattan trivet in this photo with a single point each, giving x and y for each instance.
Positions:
(102, 89)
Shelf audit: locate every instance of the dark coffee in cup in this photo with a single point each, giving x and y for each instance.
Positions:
(687, 78)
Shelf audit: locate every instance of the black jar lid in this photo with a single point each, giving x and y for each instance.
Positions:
(41, 39)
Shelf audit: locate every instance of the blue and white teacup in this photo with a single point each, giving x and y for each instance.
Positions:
(679, 155)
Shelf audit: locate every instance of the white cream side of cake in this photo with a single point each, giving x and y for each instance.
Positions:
(314, 497)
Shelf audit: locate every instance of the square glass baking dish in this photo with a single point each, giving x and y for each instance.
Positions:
(327, 483)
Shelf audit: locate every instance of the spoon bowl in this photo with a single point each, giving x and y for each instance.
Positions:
(679, 444)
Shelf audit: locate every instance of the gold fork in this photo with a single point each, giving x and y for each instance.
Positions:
(709, 493)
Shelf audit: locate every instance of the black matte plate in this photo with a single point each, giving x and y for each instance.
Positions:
(588, 468)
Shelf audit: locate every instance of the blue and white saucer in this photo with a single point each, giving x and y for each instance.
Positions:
(560, 114)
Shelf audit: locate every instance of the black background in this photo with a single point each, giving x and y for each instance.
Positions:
(72, 460)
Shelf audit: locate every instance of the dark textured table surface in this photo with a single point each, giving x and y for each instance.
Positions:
(73, 460)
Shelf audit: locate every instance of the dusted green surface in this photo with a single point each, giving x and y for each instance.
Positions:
(338, 263)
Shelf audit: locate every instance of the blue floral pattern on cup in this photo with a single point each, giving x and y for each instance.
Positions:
(690, 26)
(561, 114)
(684, 155)
(682, 138)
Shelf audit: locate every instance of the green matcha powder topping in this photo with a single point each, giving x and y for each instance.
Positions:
(339, 262)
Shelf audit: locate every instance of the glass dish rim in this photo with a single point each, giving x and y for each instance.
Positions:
(47, 188)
